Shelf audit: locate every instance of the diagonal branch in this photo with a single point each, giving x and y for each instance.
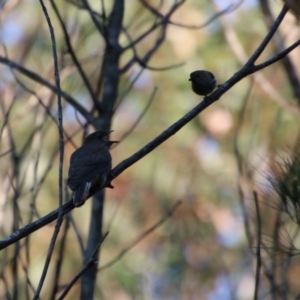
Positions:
(142, 236)
(74, 57)
(268, 37)
(35, 77)
(244, 72)
(92, 261)
(34, 226)
(61, 154)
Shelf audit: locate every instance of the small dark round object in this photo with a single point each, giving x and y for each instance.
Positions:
(203, 82)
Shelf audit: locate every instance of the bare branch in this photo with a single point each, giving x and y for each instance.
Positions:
(268, 37)
(140, 117)
(142, 236)
(92, 261)
(74, 57)
(147, 148)
(61, 154)
(35, 77)
(32, 227)
(258, 249)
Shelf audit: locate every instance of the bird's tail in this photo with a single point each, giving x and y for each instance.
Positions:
(81, 193)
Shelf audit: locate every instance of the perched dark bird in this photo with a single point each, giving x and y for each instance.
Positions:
(90, 166)
(203, 82)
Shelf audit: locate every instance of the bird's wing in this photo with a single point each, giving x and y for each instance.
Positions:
(84, 166)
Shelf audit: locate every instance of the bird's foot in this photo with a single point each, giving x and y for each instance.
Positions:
(109, 179)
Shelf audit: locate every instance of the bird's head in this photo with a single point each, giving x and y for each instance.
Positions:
(100, 136)
(202, 75)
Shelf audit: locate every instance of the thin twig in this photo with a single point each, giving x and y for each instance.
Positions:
(268, 37)
(259, 78)
(61, 154)
(142, 236)
(244, 72)
(73, 55)
(91, 262)
(35, 77)
(274, 59)
(227, 10)
(258, 255)
(59, 261)
(279, 43)
(6, 152)
(129, 131)
(32, 227)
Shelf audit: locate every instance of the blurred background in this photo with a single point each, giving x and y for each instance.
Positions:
(208, 248)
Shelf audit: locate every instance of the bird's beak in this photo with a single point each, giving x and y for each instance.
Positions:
(109, 132)
(190, 79)
(110, 143)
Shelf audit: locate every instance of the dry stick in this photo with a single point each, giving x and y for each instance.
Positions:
(288, 64)
(77, 233)
(73, 55)
(61, 155)
(275, 287)
(258, 254)
(259, 78)
(35, 77)
(7, 289)
(47, 109)
(59, 260)
(230, 8)
(103, 31)
(267, 39)
(100, 27)
(6, 152)
(240, 165)
(37, 140)
(143, 61)
(244, 72)
(163, 21)
(28, 281)
(15, 185)
(91, 261)
(128, 89)
(129, 131)
(142, 236)
(32, 227)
